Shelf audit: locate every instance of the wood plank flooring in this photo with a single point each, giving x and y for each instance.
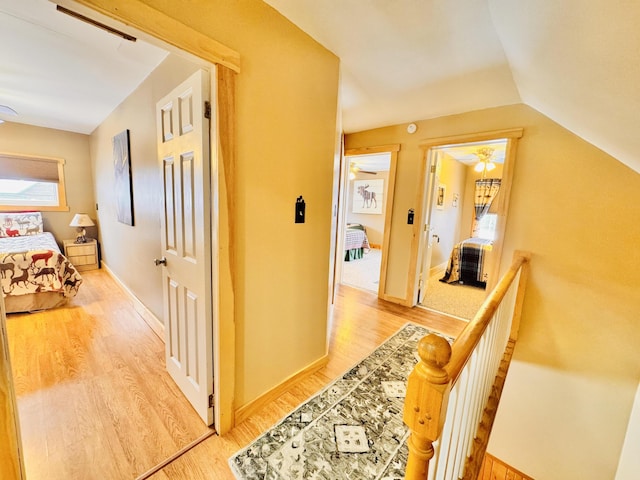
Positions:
(96, 403)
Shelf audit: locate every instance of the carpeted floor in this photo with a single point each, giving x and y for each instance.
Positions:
(363, 273)
(460, 301)
(351, 430)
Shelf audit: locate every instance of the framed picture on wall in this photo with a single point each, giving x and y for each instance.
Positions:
(440, 197)
(368, 196)
(122, 170)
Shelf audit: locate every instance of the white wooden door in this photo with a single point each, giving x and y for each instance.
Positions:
(183, 150)
(426, 242)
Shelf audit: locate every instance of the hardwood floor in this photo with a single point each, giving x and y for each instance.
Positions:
(96, 403)
(94, 399)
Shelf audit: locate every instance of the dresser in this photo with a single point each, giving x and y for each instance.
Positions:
(83, 256)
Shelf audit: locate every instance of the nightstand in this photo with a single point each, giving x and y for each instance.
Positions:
(83, 256)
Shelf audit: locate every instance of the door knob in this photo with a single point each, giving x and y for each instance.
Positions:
(162, 261)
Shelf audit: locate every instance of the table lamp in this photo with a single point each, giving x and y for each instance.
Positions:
(81, 220)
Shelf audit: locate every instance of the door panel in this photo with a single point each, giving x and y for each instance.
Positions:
(183, 139)
(188, 199)
(169, 206)
(425, 251)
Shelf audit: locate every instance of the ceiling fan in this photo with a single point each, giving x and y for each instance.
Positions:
(355, 169)
(5, 110)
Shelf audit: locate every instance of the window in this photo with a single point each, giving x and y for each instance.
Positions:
(31, 183)
(486, 227)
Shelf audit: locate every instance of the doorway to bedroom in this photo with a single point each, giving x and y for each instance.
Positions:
(461, 236)
(369, 177)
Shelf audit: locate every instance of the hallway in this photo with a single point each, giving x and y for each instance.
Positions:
(95, 401)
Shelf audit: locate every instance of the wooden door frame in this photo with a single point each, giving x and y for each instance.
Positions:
(11, 457)
(392, 150)
(141, 20)
(512, 136)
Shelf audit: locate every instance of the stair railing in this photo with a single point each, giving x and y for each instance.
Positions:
(453, 392)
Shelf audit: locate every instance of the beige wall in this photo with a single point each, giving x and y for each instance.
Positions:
(74, 149)
(286, 114)
(286, 110)
(446, 222)
(569, 394)
(129, 250)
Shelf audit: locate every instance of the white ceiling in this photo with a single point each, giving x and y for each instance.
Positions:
(576, 61)
(463, 153)
(379, 162)
(59, 72)
(466, 153)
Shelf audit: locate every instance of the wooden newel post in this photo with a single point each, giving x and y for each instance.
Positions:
(425, 405)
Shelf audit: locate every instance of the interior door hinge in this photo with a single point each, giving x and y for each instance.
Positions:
(207, 109)
(433, 168)
(211, 401)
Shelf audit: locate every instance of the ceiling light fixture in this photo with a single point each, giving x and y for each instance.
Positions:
(355, 168)
(6, 110)
(95, 23)
(484, 164)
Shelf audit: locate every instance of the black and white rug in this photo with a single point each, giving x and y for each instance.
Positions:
(352, 429)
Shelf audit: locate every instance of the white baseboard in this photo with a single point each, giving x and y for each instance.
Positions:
(154, 322)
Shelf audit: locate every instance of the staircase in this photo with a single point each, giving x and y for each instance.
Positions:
(454, 391)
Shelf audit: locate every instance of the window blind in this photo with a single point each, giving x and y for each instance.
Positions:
(13, 167)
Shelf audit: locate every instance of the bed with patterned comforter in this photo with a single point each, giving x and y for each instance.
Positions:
(468, 262)
(356, 242)
(34, 274)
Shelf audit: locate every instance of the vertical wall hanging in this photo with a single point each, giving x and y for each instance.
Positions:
(122, 169)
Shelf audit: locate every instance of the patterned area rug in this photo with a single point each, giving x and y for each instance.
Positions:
(352, 429)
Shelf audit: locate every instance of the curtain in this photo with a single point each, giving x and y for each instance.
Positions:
(486, 191)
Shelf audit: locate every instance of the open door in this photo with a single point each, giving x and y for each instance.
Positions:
(426, 229)
(183, 150)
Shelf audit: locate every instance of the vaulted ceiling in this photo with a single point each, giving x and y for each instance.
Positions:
(576, 61)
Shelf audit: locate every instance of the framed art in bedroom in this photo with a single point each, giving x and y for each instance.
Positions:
(368, 196)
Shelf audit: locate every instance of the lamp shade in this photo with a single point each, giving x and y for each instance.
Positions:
(81, 220)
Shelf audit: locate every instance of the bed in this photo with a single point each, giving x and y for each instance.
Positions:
(356, 243)
(34, 274)
(468, 262)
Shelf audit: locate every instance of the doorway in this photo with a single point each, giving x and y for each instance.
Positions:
(459, 249)
(203, 55)
(187, 263)
(365, 220)
(368, 181)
